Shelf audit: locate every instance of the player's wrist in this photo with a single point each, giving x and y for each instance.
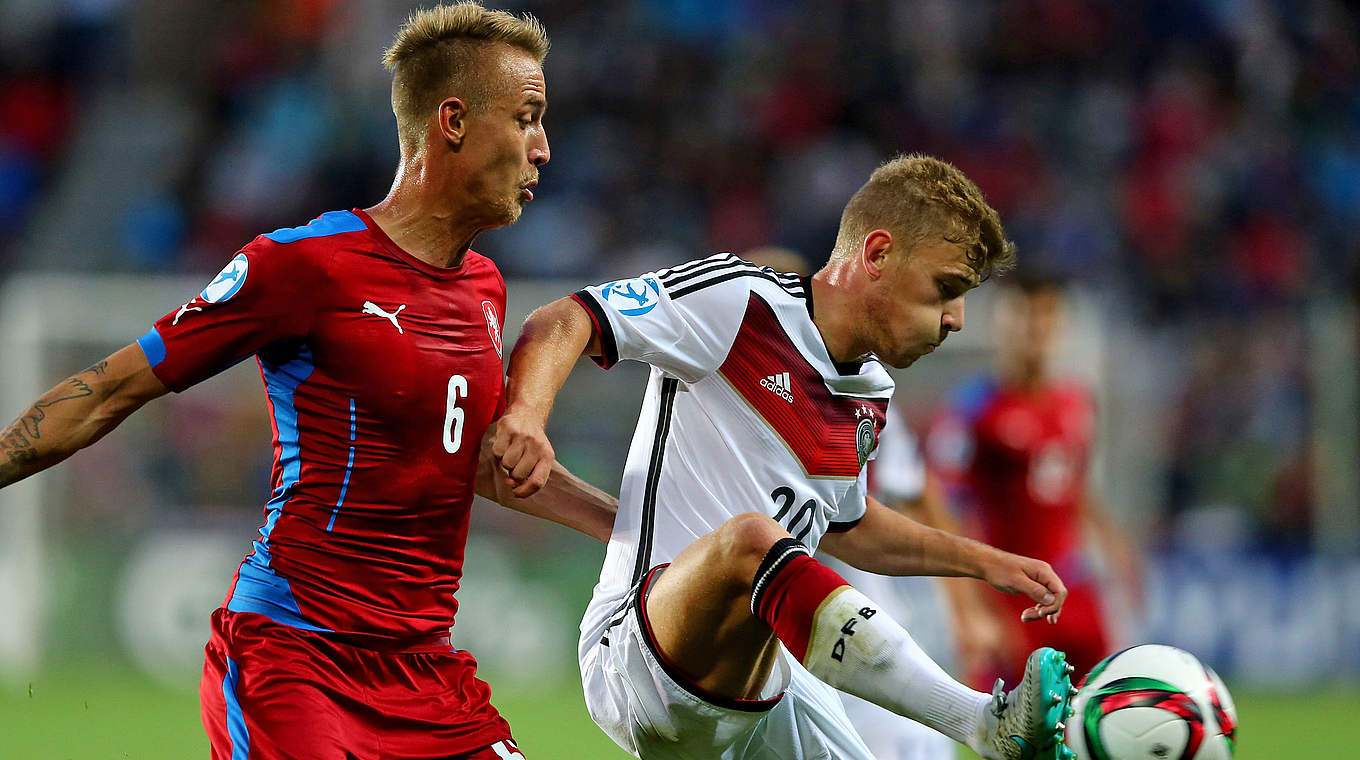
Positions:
(971, 559)
(526, 414)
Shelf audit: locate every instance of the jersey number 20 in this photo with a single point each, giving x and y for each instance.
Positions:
(808, 510)
(453, 416)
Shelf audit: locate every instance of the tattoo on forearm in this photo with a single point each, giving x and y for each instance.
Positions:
(35, 415)
(17, 447)
(18, 442)
(79, 390)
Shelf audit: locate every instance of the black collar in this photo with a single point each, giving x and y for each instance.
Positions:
(852, 367)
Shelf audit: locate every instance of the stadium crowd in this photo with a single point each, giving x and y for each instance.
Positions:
(1195, 164)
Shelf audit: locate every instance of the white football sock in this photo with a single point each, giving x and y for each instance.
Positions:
(859, 649)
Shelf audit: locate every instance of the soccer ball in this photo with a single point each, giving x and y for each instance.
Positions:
(1152, 702)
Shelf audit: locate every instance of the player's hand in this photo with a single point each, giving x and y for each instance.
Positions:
(1034, 578)
(523, 451)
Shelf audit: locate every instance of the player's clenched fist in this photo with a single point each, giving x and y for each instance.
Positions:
(522, 449)
(1015, 574)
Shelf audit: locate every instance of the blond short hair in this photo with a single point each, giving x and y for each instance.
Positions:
(916, 197)
(441, 51)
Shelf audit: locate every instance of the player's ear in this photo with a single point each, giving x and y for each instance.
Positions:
(452, 122)
(878, 246)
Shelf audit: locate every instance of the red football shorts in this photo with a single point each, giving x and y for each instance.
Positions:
(273, 692)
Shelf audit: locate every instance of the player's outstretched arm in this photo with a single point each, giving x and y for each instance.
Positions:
(552, 339)
(565, 499)
(978, 631)
(889, 543)
(77, 412)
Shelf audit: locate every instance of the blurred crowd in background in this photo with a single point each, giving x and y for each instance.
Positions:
(1195, 163)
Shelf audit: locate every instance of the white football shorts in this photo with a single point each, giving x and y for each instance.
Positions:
(655, 713)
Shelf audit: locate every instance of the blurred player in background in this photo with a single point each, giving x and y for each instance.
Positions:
(959, 631)
(765, 402)
(1017, 442)
(378, 335)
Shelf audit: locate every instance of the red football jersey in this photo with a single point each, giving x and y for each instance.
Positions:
(1020, 459)
(382, 373)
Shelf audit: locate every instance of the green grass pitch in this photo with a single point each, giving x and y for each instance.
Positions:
(105, 712)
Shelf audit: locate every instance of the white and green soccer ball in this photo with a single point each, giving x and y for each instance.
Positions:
(1152, 702)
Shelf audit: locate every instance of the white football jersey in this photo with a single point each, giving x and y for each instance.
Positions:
(745, 411)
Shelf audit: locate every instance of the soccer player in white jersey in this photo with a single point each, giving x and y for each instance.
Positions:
(713, 632)
(947, 617)
(949, 620)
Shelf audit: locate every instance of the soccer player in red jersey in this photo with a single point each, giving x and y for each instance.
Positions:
(1017, 445)
(378, 336)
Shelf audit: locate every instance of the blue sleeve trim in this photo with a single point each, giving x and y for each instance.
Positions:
(153, 346)
(329, 223)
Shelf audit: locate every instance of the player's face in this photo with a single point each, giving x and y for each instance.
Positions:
(506, 142)
(920, 301)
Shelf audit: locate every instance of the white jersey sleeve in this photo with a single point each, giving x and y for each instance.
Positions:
(682, 320)
(853, 506)
(899, 472)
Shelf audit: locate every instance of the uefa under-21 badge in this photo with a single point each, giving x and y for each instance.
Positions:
(228, 282)
(866, 433)
(634, 297)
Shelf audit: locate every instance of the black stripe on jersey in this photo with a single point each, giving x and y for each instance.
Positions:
(709, 267)
(764, 274)
(841, 527)
(648, 526)
(668, 272)
(620, 612)
(609, 347)
(714, 268)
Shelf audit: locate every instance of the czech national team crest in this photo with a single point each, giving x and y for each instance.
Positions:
(493, 325)
(634, 297)
(866, 433)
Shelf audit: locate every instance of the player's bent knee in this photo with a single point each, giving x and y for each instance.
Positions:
(746, 537)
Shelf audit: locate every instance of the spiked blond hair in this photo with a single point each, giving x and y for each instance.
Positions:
(442, 51)
(916, 197)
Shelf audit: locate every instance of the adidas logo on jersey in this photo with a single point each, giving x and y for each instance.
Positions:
(780, 385)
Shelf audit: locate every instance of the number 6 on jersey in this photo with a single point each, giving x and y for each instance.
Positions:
(453, 416)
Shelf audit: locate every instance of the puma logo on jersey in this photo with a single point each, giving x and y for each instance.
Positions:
(182, 310)
(506, 750)
(780, 385)
(377, 311)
